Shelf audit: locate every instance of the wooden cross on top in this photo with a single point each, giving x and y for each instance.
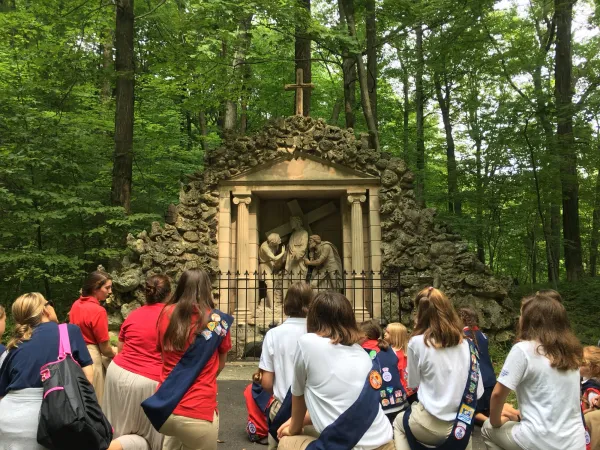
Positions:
(299, 88)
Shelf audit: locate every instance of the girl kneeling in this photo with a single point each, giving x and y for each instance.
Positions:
(334, 379)
(444, 366)
(542, 368)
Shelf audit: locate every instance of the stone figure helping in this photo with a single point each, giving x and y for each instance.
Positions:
(268, 263)
(327, 273)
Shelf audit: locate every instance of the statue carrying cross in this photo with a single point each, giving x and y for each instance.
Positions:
(299, 88)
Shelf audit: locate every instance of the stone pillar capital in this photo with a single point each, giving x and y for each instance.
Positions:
(356, 198)
(244, 198)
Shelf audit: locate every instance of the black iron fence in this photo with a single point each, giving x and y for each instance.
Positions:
(256, 300)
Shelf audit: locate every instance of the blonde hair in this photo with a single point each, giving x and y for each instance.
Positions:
(437, 319)
(27, 312)
(398, 335)
(591, 359)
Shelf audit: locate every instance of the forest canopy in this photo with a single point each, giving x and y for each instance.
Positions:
(106, 105)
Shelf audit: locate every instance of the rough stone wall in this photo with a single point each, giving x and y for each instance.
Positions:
(425, 251)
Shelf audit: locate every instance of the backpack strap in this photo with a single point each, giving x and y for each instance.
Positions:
(64, 347)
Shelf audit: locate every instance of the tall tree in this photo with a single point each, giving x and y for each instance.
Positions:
(348, 73)
(302, 53)
(125, 68)
(420, 108)
(565, 140)
(372, 55)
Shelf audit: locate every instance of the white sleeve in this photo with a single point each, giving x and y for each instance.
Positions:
(300, 373)
(514, 368)
(412, 366)
(266, 356)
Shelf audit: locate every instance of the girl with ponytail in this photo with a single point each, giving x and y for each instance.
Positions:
(34, 343)
(393, 397)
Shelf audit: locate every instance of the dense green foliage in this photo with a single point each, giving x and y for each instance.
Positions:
(494, 61)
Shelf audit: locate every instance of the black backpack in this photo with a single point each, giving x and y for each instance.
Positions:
(70, 416)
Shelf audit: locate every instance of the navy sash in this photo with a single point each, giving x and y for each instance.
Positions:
(161, 405)
(282, 416)
(463, 424)
(392, 394)
(260, 396)
(348, 429)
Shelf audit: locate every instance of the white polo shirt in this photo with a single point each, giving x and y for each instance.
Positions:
(331, 377)
(279, 347)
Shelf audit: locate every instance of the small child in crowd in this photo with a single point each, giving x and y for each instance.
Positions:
(393, 397)
(590, 378)
(472, 331)
(257, 403)
(397, 336)
(279, 347)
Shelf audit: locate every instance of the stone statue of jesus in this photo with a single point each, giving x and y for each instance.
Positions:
(297, 245)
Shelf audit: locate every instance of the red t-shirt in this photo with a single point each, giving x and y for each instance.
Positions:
(402, 363)
(138, 334)
(91, 318)
(200, 401)
(257, 427)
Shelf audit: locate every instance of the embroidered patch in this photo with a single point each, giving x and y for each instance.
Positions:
(387, 376)
(215, 317)
(375, 379)
(218, 329)
(473, 359)
(390, 389)
(372, 354)
(382, 394)
(206, 334)
(225, 325)
(588, 439)
(504, 373)
(469, 398)
(251, 428)
(385, 402)
(392, 401)
(466, 413)
(223, 332)
(398, 394)
(211, 325)
(475, 377)
(472, 388)
(460, 431)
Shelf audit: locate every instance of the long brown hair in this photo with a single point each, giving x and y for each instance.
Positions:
(330, 315)
(544, 320)
(470, 319)
(192, 296)
(372, 330)
(93, 282)
(437, 320)
(27, 312)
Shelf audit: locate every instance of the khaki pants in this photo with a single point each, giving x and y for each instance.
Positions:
(592, 420)
(184, 433)
(99, 363)
(499, 438)
(273, 410)
(427, 429)
(302, 441)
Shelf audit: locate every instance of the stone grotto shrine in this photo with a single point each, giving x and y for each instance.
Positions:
(261, 198)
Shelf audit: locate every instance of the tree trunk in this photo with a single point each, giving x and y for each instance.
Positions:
(372, 57)
(349, 74)
(335, 114)
(565, 140)
(420, 105)
(595, 238)
(203, 129)
(124, 64)
(479, 190)
(302, 55)
(362, 78)
(107, 65)
(454, 203)
(405, 112)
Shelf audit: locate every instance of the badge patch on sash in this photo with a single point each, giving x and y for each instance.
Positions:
(251, 428)
(372, 354)
(387, 376)
(385, 402)
(469, 398)
(224, 324)
(389, 389)
(392, 401)
(206, 334)
(375, 379)
(460, 431)
(466, 413)
(398, 394)
(472, 388)
(382, 394)
(218, 329)
(215, 317)
(211, 325)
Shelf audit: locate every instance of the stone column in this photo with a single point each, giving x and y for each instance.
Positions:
(242, 314)
(357, 294)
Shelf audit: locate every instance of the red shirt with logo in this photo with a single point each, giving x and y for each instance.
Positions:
(138, 334)
(91, 318)
(200, 401)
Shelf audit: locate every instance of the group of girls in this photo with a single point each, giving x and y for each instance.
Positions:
(156, 388)
(343, 381)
